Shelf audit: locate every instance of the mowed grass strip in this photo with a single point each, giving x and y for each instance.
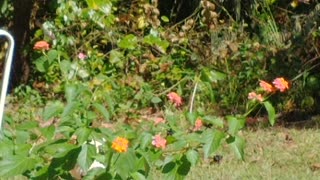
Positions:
(271, 153)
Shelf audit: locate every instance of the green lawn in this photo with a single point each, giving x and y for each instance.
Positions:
(272, 153)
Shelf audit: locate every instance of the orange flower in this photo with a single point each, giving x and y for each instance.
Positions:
(175, 99)
(266, 86)
(198, 125)
(255, 96)
(158, 120)
(120, 144)
(159, 142)
(41, 45)
(281, 84)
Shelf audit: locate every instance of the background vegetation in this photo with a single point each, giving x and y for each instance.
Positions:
(179, 73)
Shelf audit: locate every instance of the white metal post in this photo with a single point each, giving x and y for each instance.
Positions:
(6, 73)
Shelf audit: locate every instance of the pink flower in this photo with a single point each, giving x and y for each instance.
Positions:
(82, 56)
(159, 142)
(266, 86)
(255, 96)
(158, 120)
(175, 99)
(281, 84)
(41, 45)
(198, 125)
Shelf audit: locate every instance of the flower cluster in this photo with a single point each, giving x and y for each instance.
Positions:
(41, 45)
(277, 84)
(175, 99)
(198, 125)
(159, 142)
(120, 144)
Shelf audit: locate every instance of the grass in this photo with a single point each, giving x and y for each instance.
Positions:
(271, 153)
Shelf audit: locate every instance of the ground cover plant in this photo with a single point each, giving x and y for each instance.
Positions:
(124, 90)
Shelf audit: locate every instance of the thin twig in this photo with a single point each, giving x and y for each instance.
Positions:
(193, 95)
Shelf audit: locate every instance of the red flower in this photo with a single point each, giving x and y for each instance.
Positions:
(281, 84)
(159, 142)
(175, 99)
(266, 86)
(41, 45)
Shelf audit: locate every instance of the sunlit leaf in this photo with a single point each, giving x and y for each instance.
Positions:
(128, 42)
(271, 112)
(52, 109)
(103, 111)
(235, 124)
(238, 145)
(192, 156)
(16, 165)
(212, 141)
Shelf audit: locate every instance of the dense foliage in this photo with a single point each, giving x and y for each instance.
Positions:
(119, 90)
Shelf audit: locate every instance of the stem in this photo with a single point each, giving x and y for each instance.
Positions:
(193, 95)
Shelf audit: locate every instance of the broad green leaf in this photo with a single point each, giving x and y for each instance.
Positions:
(209, 75)
(42, 64)
(235, 124)
(52, 55)
(84, 159)
(70, 108)
(138, 176)
(217, 121)
(271, 112)
(117, 58)
(192, 156)
(156, 100)
(83, 134)
(125, 164)
(145, 140)
(52, 109)
(177, 146)
(16, 165)
(128, 42)
(191, 116)
(184, 167)
(65, 67)
(212, 141)
(238, 145)
(103, 111)
(165, 19)
(48, 132)
(71, 92)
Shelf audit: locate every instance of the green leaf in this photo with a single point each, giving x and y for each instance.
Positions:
(192, 117)
(212, 141)
(102, 110)
(209, 75)
(271, 112)
(71, 92)
(52, 55)
(235, 124)
(192, 156)
(156, 100)
(69, 109)
(165, 19)
(125, 164)
(84, 159)
(145, 140)
(238, 145)
(16, 165)
(217, 121)
(52, 109)
(117, 58)
(48, 132)
(128, 42)
(138, 176)
(83, 134)
(42, 65)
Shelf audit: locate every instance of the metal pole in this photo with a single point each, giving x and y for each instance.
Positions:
(6, 74)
